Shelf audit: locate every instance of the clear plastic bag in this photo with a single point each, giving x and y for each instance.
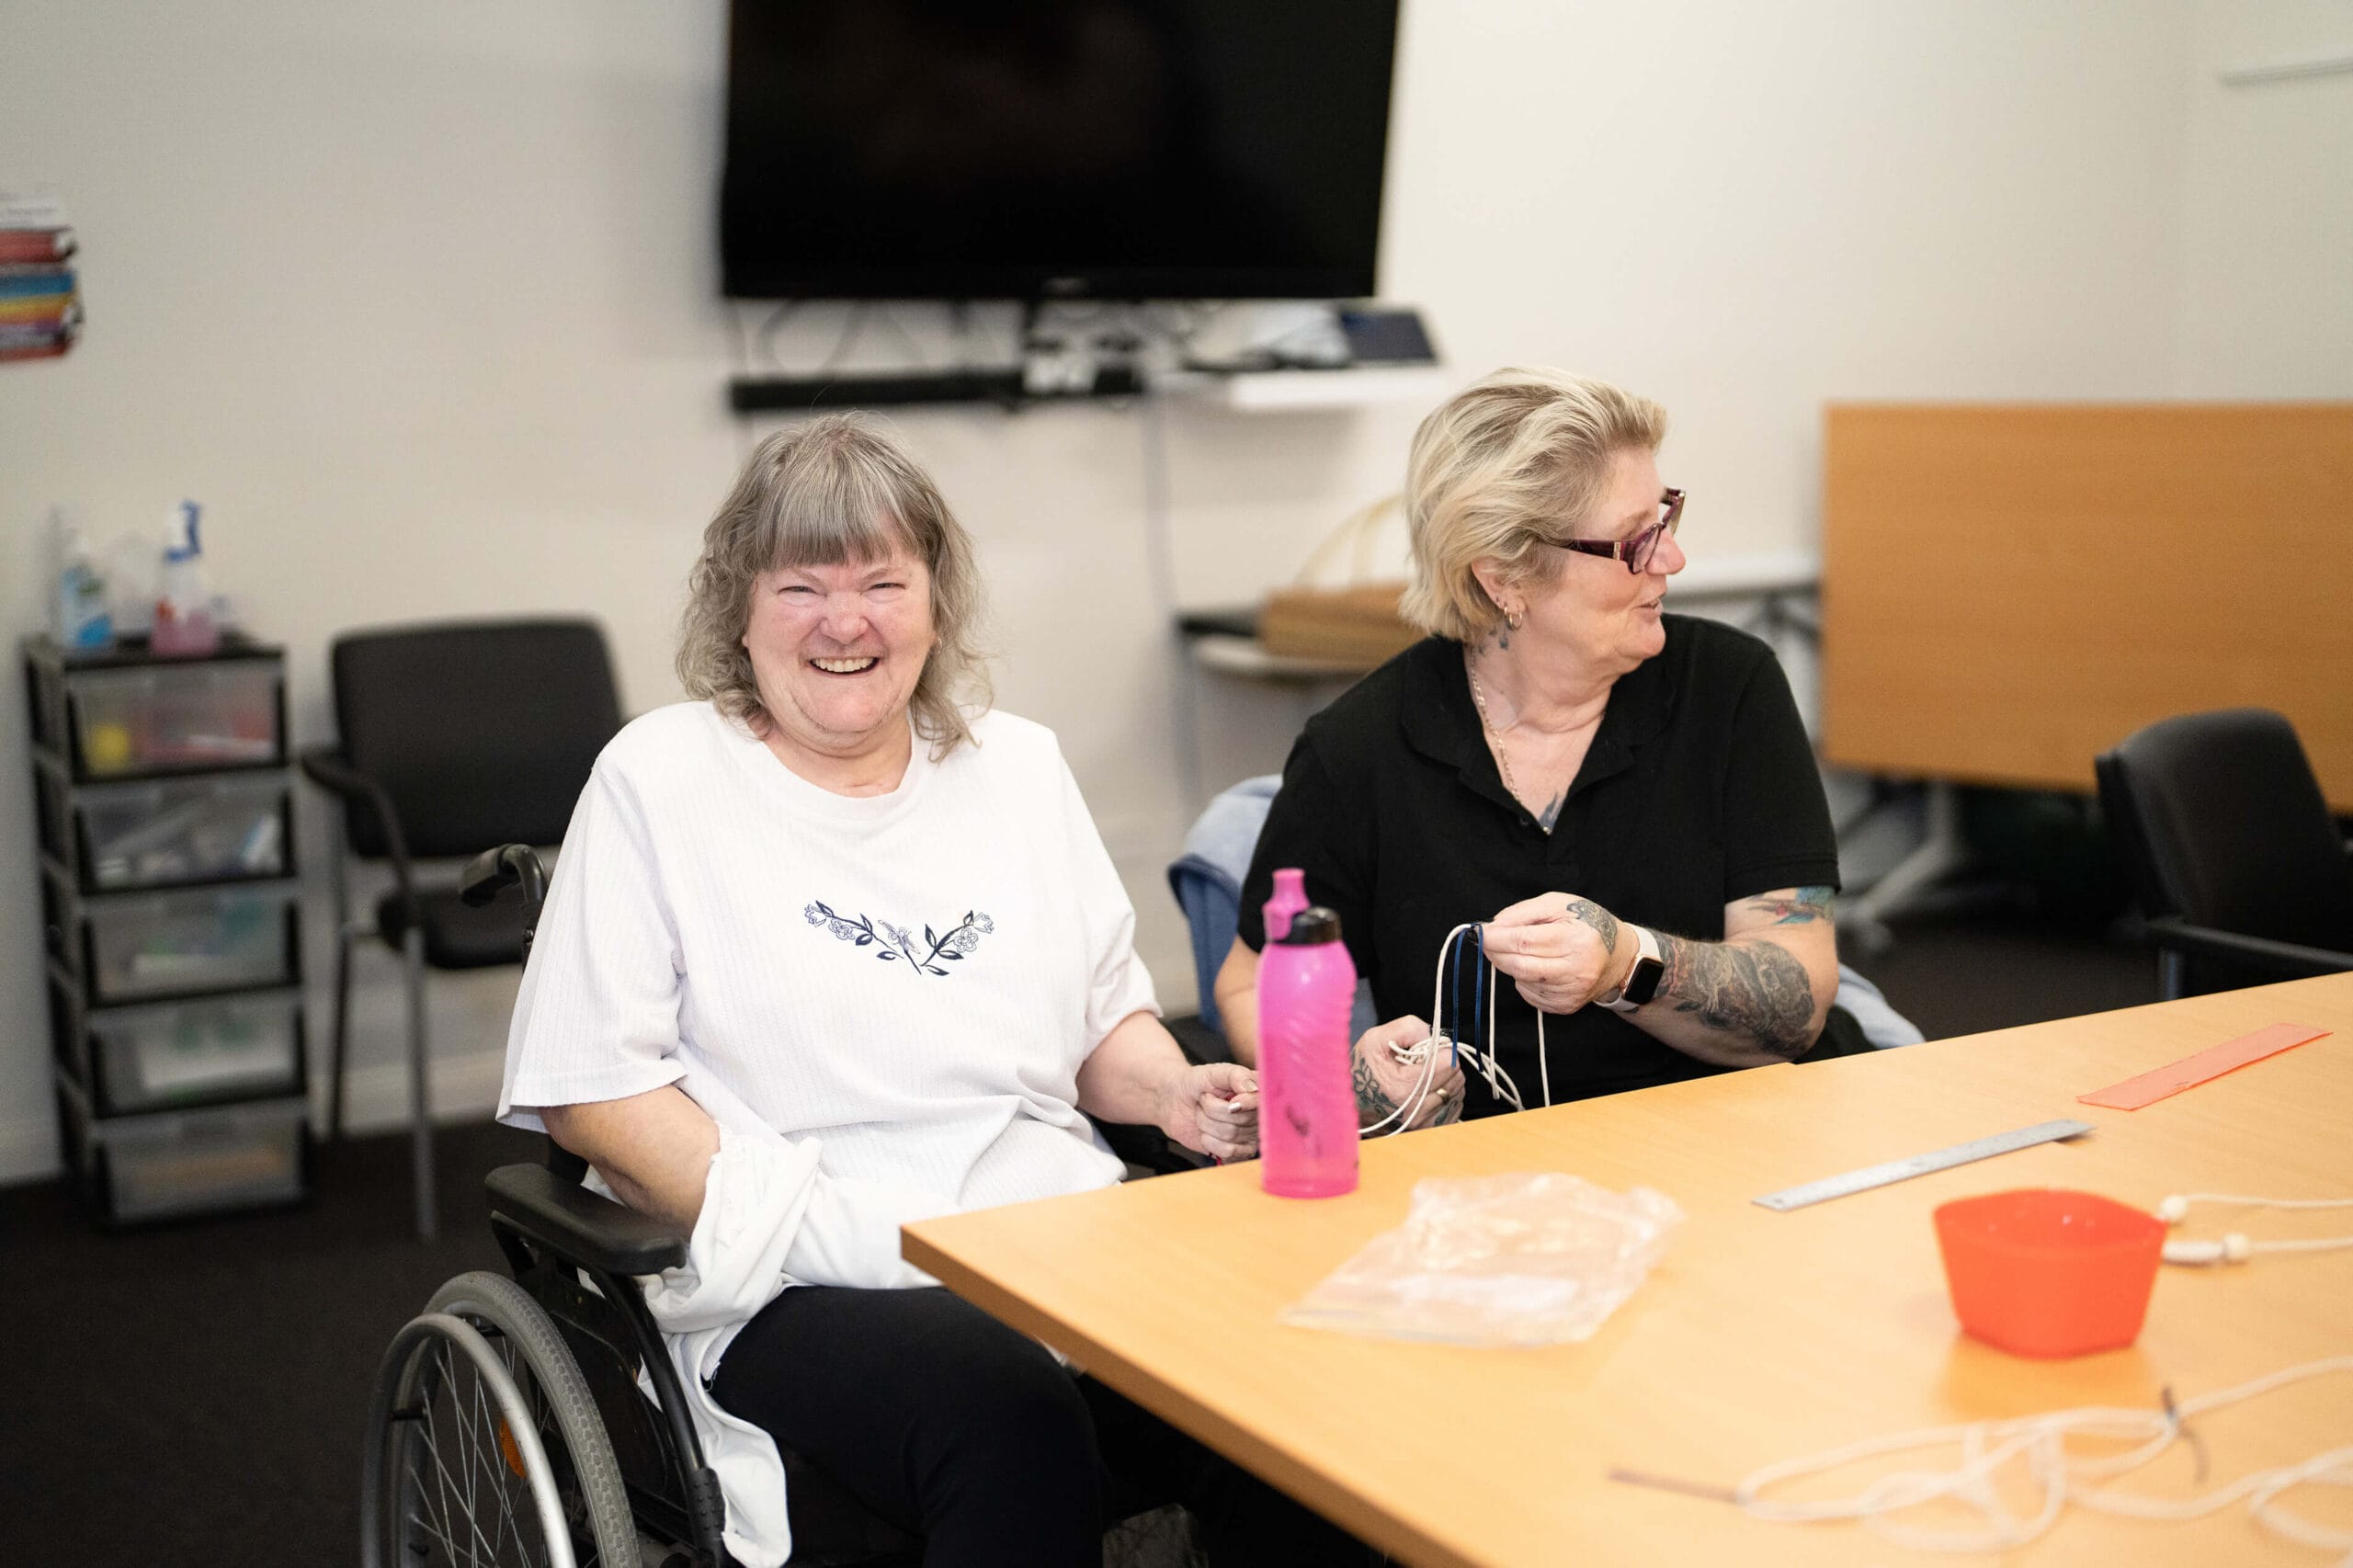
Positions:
(1529, 1260)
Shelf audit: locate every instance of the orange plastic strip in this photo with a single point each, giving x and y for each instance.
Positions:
(2201, 1067)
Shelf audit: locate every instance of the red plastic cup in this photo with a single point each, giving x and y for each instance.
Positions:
(2048, 1273)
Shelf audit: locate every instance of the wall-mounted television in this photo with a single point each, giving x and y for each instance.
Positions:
(1042, 149)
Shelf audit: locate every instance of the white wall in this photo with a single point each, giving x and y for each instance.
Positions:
(2266, 307)
(420, 302)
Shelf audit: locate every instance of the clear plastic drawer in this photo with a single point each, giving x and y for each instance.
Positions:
(153, 1168)
(190, 1053)
(197, 830)
(145, 946)
(161, 717)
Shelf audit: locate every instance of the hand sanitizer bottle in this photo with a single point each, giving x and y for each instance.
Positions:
(77, 616)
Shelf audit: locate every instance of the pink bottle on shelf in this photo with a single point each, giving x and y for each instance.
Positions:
(1290, 897)
(1307, 1104)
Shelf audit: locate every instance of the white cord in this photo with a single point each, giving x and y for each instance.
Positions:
(1544, 1061)
(2177, 1208)
(2235, 1246)
(1425, 1052)
(1986, 1447)
(1411, 1107)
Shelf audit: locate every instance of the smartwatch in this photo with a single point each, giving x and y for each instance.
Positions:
(1642, 980)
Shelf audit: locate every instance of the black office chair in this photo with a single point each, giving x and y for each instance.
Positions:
(2231, 848)
(456, 738)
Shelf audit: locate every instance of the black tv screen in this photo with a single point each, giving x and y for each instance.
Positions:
(1028, 148)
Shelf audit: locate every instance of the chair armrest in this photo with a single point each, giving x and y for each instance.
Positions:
(324, 766)
(492, 872)
(580, 1227)
(2261, 951)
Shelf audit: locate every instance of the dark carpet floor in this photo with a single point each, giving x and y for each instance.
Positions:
(196, 1394)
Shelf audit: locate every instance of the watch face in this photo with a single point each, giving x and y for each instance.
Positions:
(1643, 984)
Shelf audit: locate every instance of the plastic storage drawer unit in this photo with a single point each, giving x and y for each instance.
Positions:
(226, 828)
(112, 724)
(147, 947)
(178, 1053)
(153, 1168)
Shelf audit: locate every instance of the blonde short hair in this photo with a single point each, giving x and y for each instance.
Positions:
(1513, 462)
(833, 490)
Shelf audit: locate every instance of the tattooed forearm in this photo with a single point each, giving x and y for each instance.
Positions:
(1372, 1101)
(1801, 907)
(1757, 990)
(1604, 923)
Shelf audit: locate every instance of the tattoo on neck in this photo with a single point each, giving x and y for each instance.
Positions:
(1552, 814)
(1757, 991)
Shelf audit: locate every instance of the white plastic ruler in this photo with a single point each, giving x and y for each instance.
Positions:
(1921, 1164)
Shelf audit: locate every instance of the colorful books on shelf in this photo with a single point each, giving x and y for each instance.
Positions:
(40, 306)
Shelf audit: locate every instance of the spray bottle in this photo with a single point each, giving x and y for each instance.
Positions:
(184, 624)
(1307, 1114)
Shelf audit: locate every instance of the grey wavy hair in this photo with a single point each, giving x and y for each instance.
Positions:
(1507, 465)
(834, 491)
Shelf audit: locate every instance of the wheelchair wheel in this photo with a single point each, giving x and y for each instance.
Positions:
(484, 1446)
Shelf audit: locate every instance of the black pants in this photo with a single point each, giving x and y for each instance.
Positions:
(967, 1433)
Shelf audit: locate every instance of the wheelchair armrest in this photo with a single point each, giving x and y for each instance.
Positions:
(581, 1228)
(2206, 941)
(492, 872)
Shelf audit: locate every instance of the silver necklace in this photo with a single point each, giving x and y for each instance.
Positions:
(1494, 736)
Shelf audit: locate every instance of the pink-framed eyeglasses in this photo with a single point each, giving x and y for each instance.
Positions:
(1635, 553)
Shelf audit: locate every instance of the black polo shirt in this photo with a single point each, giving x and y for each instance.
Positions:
(1700, 789)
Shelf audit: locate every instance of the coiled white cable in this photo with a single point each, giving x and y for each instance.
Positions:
(1424, 1052)
(1986, 1447)
(1404, 1112)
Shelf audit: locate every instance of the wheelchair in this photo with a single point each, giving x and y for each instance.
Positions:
(511, 1422)
(508, 1424)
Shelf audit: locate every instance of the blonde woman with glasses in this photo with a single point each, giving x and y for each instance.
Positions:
(1622, 801)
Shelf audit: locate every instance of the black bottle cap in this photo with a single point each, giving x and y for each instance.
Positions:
(1312, 926)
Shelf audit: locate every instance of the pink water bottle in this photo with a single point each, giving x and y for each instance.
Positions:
(1307, 1107)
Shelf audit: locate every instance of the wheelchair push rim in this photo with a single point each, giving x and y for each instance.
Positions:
(483, 1446)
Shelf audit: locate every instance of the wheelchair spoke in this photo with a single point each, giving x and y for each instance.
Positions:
(491, 1453)
(495, 1474)
(551, 1444)
(495, 1450)
(449, 1484)
(443, 1481)
(470, 1463)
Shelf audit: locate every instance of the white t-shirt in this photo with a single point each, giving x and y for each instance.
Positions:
(911, 979)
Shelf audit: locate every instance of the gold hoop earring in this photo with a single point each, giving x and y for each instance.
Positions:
(1514, 618)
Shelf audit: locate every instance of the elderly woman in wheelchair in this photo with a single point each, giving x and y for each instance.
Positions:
(832, 948)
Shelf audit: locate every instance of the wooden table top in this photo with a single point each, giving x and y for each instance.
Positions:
(1762, 1336)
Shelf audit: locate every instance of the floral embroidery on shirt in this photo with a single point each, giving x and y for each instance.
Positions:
(891, 943)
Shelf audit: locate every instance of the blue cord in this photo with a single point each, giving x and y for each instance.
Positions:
(1479, 986)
